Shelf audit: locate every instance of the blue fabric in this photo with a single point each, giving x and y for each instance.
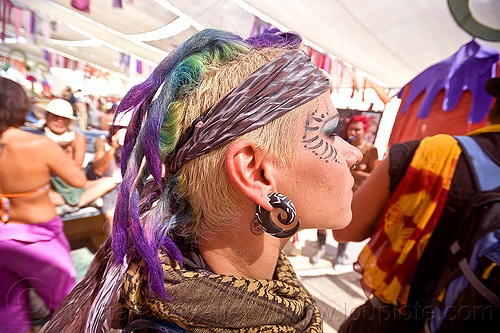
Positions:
(487, 172)
(488, 245)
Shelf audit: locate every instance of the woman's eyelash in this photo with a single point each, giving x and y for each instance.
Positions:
(331, 125)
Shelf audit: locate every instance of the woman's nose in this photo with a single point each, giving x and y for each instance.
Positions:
(353, 155)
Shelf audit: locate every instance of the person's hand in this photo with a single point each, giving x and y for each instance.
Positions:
(118, 138)
(115, 141)
(121, 135)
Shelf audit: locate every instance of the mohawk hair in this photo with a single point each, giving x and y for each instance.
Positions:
(149, 206)
(358, 118)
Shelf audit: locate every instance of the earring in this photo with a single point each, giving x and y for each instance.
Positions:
(264, 216)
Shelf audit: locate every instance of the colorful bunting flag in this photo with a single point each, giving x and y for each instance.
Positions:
(138, 68)
(149, 70)
(83, 5)
(327, 64)
(18, 17)
(27, 24)
(5, 10)
(33, 27)
(124, 60)
(380, 91)
(48, 57)
(45, 27)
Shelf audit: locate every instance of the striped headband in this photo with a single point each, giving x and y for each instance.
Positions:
(271, 91)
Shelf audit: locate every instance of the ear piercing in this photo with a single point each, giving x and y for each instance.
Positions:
(268, 225)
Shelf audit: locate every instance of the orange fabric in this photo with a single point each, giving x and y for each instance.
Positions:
(5, 202)
(379, 90)
(408, 126)
(26, 194)
(390, 259)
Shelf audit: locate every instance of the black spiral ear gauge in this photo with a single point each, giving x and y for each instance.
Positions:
(268, 225)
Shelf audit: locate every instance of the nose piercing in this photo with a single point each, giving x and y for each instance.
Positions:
(354, 166)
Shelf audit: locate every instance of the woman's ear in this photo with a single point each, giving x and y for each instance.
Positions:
(251, 171)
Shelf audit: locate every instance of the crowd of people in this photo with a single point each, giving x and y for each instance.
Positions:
(208, 169)
(89, 111)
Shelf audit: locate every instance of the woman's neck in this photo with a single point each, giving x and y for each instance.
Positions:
(63, 139)
(241, 254)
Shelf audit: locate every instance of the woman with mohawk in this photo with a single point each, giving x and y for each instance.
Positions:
(230, 151)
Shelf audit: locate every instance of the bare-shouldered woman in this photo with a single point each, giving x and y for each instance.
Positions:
(34, 252)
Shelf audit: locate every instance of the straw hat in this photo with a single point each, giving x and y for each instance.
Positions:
(61, 108)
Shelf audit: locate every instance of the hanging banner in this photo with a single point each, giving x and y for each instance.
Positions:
(34, 25)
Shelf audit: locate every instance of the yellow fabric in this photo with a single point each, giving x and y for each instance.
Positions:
(389, 261)
(487, 271)
(487, 129)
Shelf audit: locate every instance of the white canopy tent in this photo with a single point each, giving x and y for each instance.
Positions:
(389, 40)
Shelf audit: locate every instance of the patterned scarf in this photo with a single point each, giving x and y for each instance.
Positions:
(207, 302)
(389, 261)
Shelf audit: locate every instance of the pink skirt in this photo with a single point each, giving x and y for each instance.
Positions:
(32, 256)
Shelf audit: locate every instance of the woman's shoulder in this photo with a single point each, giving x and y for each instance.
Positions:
(35, 146)
(20, 137)
(370, 147)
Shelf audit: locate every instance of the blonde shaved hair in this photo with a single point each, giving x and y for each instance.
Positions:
(204, 181)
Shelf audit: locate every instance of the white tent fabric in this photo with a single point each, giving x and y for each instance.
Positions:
(389, 40)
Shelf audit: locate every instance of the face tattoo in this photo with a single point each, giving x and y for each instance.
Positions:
(319, 134)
